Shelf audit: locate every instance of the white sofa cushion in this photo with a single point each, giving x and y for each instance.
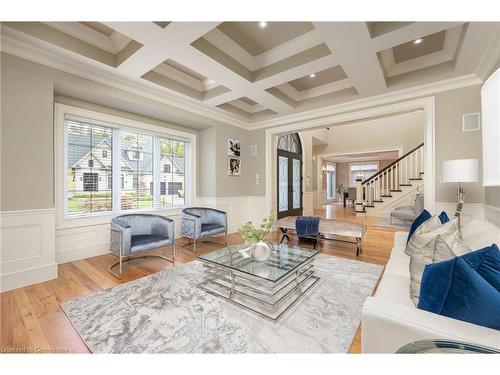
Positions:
(394, 288)
(479, 233)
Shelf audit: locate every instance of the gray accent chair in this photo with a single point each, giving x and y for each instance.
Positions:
(409, 213)
(133, 234)
(198, 223)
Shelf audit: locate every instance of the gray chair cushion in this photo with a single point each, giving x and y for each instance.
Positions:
(209, 229)
(143, 242)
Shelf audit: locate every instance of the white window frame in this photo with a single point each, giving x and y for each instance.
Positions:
(357, 163)
(327, 171)
(62, 111)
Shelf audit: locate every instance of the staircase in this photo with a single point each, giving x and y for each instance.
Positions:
(393, 186)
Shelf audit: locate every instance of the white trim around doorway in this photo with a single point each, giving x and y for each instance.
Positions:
(426, 104)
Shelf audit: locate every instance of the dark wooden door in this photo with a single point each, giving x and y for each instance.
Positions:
(289, 184)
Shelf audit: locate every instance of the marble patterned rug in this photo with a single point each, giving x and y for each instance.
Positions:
(167, 313)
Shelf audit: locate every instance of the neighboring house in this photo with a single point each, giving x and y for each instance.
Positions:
(91, 170)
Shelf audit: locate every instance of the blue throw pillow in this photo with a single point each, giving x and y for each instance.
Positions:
(443, 217)
(455, 288)
(424, 216)
(486, 262)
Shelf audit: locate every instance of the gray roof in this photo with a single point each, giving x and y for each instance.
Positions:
(80, 144)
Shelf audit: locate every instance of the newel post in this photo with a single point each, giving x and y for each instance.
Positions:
(359, 206)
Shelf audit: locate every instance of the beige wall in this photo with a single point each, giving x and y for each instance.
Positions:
(27, 137)
(453, 143)
(29, 91)
(406, 131)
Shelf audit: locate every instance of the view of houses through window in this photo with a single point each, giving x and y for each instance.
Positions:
(90, 184)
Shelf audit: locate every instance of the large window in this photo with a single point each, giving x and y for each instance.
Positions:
(86, 174)
(363, 171)
(330, 181)
(111, 169)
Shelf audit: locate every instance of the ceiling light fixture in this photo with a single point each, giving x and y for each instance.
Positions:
(312, 75)
(262, 24)
(418, 41)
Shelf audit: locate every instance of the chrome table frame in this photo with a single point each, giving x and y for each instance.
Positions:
(269, 299)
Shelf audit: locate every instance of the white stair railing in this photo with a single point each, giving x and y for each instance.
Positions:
(390, 179)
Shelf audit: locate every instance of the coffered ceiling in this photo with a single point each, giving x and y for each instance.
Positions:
(253, 74)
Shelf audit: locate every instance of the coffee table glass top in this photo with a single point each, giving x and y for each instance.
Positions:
(285, 259)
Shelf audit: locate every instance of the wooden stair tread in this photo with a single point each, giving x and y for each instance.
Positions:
(396, 190)
(405, 185)
(415, 179)
(386, 196)
(378, 201)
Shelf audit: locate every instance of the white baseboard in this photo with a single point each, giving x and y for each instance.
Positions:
(492, 214)
(28, 247)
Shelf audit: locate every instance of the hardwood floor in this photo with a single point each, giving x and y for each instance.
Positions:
(32, 320)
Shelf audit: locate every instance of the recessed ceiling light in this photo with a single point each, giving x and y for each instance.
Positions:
(312, 75)
(262, 24)
(418, 41)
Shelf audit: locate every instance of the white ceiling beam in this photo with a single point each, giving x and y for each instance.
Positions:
(408, 33)
(472, 53)
(354, 54)
(158, 44)
(175, 42)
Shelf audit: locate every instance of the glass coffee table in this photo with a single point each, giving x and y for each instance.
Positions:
(267, 288)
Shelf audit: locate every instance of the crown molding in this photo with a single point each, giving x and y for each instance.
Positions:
(30, 48)
(377, 100)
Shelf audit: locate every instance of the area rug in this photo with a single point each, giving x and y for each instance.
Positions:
(386, 223)
(167, 313)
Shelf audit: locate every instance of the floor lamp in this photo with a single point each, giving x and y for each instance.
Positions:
(460, 171)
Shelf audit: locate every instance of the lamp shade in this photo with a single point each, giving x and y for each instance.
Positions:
(461, 170)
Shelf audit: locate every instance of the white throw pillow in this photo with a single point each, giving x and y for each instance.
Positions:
(479, 233)
(421, 242)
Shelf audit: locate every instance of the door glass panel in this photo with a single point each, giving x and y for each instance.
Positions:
(282, 184)
(296, 183)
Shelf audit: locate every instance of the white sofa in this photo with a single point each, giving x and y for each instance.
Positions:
(390, 320)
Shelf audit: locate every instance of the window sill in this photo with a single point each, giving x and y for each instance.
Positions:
(104, 218)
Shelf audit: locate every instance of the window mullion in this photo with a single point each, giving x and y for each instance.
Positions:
(116, 170)
(156, 171)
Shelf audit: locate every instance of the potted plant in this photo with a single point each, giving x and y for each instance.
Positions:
(261, 249)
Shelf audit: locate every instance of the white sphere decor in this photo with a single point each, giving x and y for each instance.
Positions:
(261, 251)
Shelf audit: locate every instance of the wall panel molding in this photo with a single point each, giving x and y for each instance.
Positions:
(27, 247)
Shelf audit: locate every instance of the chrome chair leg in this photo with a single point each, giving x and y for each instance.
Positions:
(128, 258)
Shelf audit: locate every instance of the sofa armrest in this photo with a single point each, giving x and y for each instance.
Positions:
(387, 326)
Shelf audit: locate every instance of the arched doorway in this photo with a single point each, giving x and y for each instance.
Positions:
(289, 181)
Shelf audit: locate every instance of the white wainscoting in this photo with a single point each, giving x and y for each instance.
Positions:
(308, 203)
(492, 214)
(239, 209)
(85, 241)
(28, 247)
(470, 211)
